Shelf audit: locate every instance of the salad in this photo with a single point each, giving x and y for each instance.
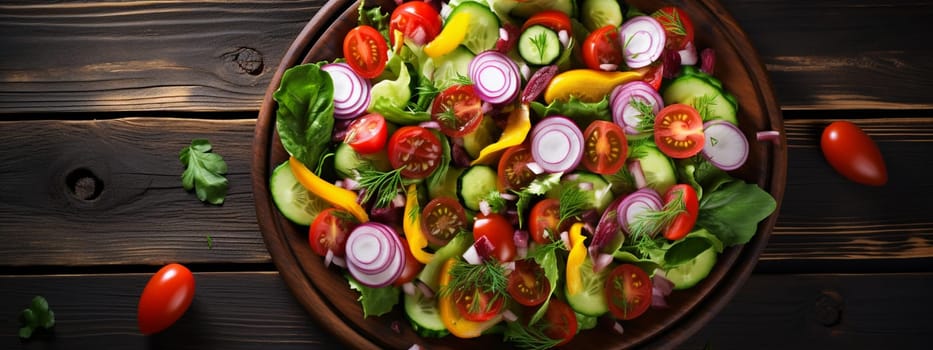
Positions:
(522, 168)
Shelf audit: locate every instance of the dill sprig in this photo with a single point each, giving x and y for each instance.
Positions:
(650, 222)
(488, 277)
(461, 79)
(703, 105)
(384, 185)
(540, 43)
(573, 202)
(440, 173)
(673, 24)
(530, 337)
(646, 123)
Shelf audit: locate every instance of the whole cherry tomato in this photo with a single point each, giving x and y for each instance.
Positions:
(853, 154)
(165, 299)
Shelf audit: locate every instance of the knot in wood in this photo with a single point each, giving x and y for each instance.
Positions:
(84, 185)
(828, 308)
(248, 60)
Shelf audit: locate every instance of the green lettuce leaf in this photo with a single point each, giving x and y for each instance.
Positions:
(305, 114)
(733, 211)
(375, 301)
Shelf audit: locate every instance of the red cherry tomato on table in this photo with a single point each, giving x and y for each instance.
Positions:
(165, 299)
(416, 20)
(677, 27)
(416, 150)
(678, 131)
(458, 110)
(329, 232)
(605, 147)
(527, 283)
(367, 134)
(602, 46)
(366, 51)
(853, 154)
(628, 290)
(683, 222)
(497, 229)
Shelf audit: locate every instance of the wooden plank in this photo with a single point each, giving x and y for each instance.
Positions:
(117, 56)
(845, 54)
(825, 220)
(84, 56)
(255, 309)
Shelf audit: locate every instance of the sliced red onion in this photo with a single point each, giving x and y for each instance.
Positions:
(339, 262)
(535, 168)
(509, 316)
(608, 236)
(638, 174)
(508, 35)
(496, 78)
(726, 146)
(556, 144)
(479, 251)
(408, 288)
(618, 328)
(688, 56)
(525, 70)
(351, 92)
(658, 300)
(328, 257)
(565, 237)
(642, 39)
(398, 201)
(623, 103)
(538, 82)
(600, 260)
(770, 135)
(637, 203)
(707, 60)
(425, 289)
(374, 254)
(660, 282)
(564, 38)
(430, 124)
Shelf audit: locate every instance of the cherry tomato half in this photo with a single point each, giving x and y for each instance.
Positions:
(653, 74)
(560, 321)
(677, 26)
(329, 232)
(553, 19)
(458, 110)
(605, 147)
(602, 46)
(513, 172)
(497, 229)
(416, 150)
(543, 220)
(683, 222)
(165, 299)
(853, 154)
(416, 20)
(442, 219)
(412, 266)
(367, 134)
(628, 290)
(366, 51)
(678, 131)
(527, 283)
(477, 305)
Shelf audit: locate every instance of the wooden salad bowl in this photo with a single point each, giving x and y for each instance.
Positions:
(325, 293)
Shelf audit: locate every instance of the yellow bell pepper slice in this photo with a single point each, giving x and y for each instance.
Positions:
(450, 37)
(516, 130)
(450, 315)
(412, 226)
(339, 197)
(588, 85)
(575, 259)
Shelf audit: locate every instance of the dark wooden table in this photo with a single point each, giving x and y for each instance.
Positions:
(98, 97)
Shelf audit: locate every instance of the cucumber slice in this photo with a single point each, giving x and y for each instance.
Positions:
(486, 134)
(346, 160)
(539, 45)
(600, 13)
(423, 315)
(294, 201)
(528, 8)
(446, 187)
(658, 168)
(688, 274)
(474, 184)
(448, 67)
(591, 301)
(688, 88)
(484, 26)
(601, 198)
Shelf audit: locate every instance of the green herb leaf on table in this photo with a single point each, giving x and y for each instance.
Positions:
(305, 115)
(37, 316)
(733, 211)
(204, 172)
(375, 301)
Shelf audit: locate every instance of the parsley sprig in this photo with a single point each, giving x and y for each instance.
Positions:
(37, 316)
(205, 172)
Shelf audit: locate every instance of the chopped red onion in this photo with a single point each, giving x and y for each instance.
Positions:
(398, 201)
(525, 70)
(688, 56)
(635, 168)
(471, 256)
(600, 260)
(608, 67)
(484, 207)
(431, 124)
(565, 237)
(509, 266)
(564, 38)
(509, 316)
(508, 196)
(535, 168)
(618, 328)
(486, 107)
(351, 184)
(671, 61)
(408, 288)
(585, 186)
(328, 258)
(338, 261)
(707, 60)
(658, 300)
(425, 289)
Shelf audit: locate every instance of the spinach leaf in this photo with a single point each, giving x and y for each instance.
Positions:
(733, 211)
(375, 301)
(305, 116)
(702, 175)
(685, 250)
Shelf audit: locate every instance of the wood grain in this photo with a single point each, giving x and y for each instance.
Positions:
(116, 56)
(254, 309)
(45, 225)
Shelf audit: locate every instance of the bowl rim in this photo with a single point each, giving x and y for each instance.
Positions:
(686, 324)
